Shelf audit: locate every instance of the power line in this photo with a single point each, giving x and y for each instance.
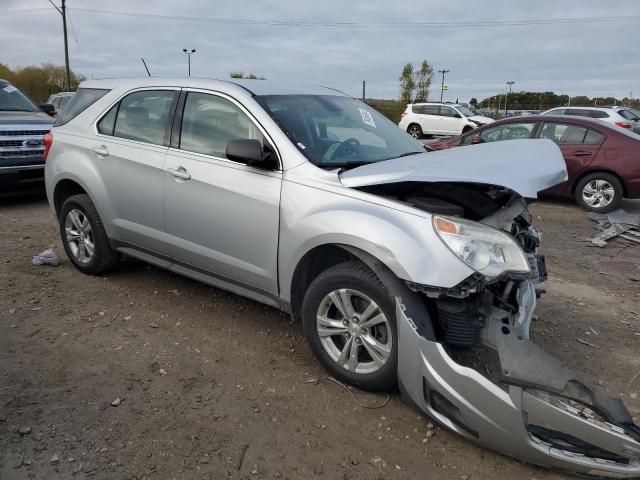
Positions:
(304, 23)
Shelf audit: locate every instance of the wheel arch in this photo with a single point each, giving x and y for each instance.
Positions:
(579, 177)
(64, 189)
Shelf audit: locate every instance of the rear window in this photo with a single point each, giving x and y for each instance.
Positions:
(83, 99)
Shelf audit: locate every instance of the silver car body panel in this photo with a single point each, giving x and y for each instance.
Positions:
(246, 230)
(524, 166)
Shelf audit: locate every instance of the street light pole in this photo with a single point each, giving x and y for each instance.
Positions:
(506, 99)
(443, 72)
(188, 53)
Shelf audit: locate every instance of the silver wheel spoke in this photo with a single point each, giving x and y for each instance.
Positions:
(328, 326)
(342, 301)
(86, 226)
(72, 234)
(81, 255)
(380, 318)
(89, 247)
(378, 351)
(346, 352)
(75, 218)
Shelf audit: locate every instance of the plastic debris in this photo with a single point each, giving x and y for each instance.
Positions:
(614, 224)
(48, 257)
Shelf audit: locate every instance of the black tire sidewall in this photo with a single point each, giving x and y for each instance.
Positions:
(94, 264)
(357, 279)
(615, 183)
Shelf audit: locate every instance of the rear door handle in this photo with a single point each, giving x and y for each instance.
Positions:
(582, 153)
(179, 172)
(101, 150)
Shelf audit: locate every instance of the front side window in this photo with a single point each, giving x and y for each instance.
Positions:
(509, 131)
(332, 130)
(210, 122)
(465, 111)
(141, 116)
(563, 134)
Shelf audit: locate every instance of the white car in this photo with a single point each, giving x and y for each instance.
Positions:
(621, 116)
(420, 119)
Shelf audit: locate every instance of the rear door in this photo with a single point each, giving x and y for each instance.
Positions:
(129, 149)
(579, 146)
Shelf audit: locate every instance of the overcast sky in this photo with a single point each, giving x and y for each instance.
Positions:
(588, 58)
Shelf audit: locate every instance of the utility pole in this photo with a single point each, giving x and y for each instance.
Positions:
(506, 97)
(63, 11)
(189, 52)
(443, 72)
(364, 84)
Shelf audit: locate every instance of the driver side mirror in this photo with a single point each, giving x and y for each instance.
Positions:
(476, 140)
(49, 109)
(251, 153)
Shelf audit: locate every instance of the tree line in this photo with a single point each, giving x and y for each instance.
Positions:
(40, 82)
(545, 100)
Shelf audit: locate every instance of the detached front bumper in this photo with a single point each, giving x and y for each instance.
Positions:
(540, 413)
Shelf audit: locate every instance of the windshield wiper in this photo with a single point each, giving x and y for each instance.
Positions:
(16, 110)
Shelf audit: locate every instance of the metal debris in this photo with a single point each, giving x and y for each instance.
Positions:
(615, 224)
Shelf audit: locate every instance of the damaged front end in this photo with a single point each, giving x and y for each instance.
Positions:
(529, 406)
(534, 408)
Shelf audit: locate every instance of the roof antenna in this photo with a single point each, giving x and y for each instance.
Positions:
(145, 66)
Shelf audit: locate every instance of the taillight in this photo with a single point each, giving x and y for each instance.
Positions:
(48, 141)
(624, 125)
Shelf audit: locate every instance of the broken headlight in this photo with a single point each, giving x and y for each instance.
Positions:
(487, 250)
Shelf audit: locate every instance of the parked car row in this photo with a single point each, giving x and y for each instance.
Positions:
(622, 117)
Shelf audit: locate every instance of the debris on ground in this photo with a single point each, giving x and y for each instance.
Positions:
(615, 224)
(47, 257)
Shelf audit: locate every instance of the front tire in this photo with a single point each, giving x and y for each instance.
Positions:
(84, 238)
(348, 319)
(599, 192)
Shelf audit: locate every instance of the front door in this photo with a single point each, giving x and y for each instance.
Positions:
(222, 217)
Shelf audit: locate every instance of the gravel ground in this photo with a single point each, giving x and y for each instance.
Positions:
(145, 374)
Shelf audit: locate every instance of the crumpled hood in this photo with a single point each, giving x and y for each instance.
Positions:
(524, 166)
(482, 119)
(25, 118)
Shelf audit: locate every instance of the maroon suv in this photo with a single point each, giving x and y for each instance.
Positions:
(603, 161)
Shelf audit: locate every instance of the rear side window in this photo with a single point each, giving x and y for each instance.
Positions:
(83, 99)
(598, 114)
(141, 116)
(426, 109)
(563, 134)
(593, 138)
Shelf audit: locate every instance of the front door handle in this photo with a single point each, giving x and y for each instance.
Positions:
(582, 153)
(101, 150)
(180, 172)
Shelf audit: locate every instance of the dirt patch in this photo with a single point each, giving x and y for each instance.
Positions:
(145, 374)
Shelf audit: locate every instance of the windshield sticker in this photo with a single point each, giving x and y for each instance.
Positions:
(367, 117)
(9, 88)
(301, 146)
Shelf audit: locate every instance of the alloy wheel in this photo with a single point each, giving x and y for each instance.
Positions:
(354, 331)
(598, 193)
(79, 236)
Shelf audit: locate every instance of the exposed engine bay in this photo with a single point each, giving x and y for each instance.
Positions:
(536, 409)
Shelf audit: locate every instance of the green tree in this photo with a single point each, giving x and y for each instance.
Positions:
(407, 84)
(423, 82)
(474, 102)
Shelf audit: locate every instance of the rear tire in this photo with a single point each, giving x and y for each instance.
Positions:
(599, 192)
(84, 238)
(349, 321)
(415, 130)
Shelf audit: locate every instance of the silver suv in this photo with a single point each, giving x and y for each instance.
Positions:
(391, 257)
